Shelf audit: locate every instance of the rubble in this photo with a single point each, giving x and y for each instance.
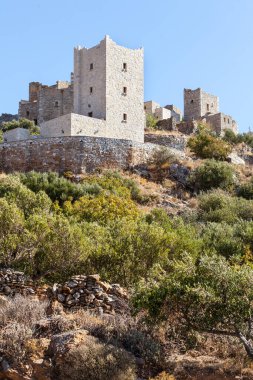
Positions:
(80, 291)
(90, 293)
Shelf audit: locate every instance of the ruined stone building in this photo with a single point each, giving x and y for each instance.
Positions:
(162, 113)
(199, 105)
(104, 98)
(47, 102)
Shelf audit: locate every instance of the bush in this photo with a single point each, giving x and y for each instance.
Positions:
(206, 145)
(151, 122)
(212, 174)
(21, 123)
(245, 190)
(217, 206)
(230, 137)
(57, 188)
(13, 341)
(96, 361)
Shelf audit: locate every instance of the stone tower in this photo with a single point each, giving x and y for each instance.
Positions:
(198, 103)
(108, 84)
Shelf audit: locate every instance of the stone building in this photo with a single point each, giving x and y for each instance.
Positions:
(199, 105)
(104, 98)
(47, 102)
(162, 113)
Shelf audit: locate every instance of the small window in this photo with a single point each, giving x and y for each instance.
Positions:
(192, 101)
(91, 66)
(124, 66)
(35, 121)
(56, 104)
(27, 113)
(145, 107)
(91, 90)
(207, 107)
(124, 90)
(90, 114)
(224, 120)
(89, 105)
(228, 121)
(125, 117)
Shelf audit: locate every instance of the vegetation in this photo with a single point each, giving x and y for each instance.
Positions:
(196, 268)
(151, 122)
(206, 145)
(21, 123)
(212, 174)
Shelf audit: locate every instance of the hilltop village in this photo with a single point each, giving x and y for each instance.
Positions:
(102, 106)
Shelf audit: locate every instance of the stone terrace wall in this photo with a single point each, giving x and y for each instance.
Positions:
(170, 141)
(77, 154)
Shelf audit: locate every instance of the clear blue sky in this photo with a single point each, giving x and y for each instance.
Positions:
(188, 43)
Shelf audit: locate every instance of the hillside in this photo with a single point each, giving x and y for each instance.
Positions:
(172, 242)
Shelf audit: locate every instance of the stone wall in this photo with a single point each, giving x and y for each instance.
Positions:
(170, 141)
(167, 124)
(77, 154)
(87, 292)
(79, 125)
(16, 134)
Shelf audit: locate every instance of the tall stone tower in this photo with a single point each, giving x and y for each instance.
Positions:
(198, 104)
(108, 84)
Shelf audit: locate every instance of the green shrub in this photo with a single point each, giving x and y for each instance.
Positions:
(245, 190)
(212, 174)
(57, 188)
(206, 145)
(151, 122)
(21, 123)
(217, 206)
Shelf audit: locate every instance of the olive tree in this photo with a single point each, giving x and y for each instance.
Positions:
(207, 294)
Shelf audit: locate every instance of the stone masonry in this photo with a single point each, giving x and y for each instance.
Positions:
(77, 154)
(47, 102)
(199, 105)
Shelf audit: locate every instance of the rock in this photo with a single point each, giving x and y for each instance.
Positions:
(72, 284)
(60, 297)
(235, 159)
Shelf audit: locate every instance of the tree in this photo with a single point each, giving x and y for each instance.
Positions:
(207, 294)
(206, 145)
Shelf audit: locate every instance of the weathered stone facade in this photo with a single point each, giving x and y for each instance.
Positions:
(170, 141)
(167, 124)
(175, 112)
(220, 122)
(16, 134)
(79, 125)
(199, 105)
(77, 154)
(47, 102)
(109, 85)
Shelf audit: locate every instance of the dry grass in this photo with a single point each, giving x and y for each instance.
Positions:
(96, 361)
(23, 310)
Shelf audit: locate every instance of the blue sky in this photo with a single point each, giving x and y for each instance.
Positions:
(188, 43)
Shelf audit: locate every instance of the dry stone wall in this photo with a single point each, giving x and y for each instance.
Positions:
(81, 291)
(170, 141)
(76, 154)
